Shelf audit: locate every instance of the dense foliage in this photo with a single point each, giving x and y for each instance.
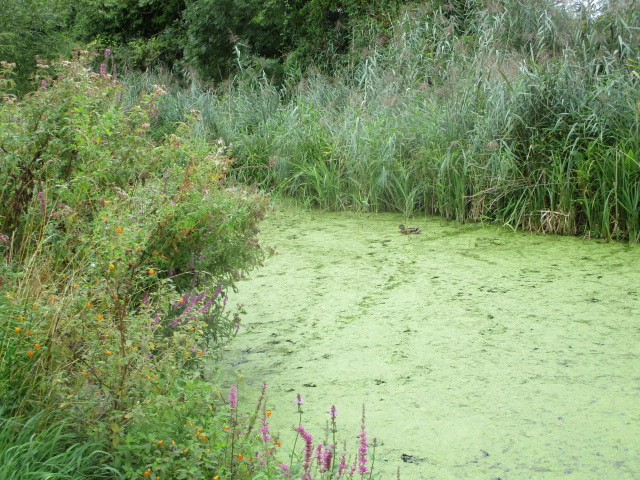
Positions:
(125, 219)
(117, 252)
(530, 120)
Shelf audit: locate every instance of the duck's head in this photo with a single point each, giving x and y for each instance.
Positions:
(402, 227)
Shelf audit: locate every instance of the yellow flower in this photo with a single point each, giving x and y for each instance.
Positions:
(160, 442)
(89, 304)
(108, 352)
(111, 266)
(20, 319)
(17, 329)
(151, 271)
(53, 298)
(240, 457)
(119, 230)
(85, 374)
(100, 317)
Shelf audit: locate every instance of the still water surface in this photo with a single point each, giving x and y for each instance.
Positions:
(478, 352)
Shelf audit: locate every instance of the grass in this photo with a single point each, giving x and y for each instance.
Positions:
(532, 114)
(44, 446)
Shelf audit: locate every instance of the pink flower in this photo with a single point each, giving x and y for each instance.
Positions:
(233, 396)
(308, 452)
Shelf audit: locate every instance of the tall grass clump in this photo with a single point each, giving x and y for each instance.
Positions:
(526, 115)
(43, 447)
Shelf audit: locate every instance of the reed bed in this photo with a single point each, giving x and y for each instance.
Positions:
(530, 119)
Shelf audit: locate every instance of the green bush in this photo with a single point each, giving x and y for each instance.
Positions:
(117, 250)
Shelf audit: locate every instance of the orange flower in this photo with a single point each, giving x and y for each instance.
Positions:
(37, 346)
(100, 317)
(217, 477)
(20, 318)
(89, 304)
(226, 427)
(119, 230)
(240, 457)
(151, 271)
(147, 473)
(277, 443)
(111, 266)
(53, 298)
(160, 442)
(84, 374)
(17, 329)
(30, 353)
(107, 352)
(268, 412)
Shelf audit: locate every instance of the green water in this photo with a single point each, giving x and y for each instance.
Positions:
(479, 353)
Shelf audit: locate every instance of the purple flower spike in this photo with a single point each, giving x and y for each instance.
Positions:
(308, 452)
(333, 412)
(233, 396)
(362, 449)
(107, 52)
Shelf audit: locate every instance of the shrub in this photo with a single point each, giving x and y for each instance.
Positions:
(117, 250)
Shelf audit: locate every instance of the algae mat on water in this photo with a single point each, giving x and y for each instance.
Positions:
(479, 353)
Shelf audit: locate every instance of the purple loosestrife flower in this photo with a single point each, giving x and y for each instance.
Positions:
(343, 464)
(233, 397)
(324, 455)
(107, 52)
(264, 429)
(103, 69)
(363, 448)
(308, 452)
(285, 470)
(333, 412)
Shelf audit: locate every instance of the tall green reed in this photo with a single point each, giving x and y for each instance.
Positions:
(501, 124)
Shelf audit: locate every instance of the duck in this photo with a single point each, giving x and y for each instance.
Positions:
(408, 231)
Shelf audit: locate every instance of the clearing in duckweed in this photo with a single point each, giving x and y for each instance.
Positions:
(479, 353)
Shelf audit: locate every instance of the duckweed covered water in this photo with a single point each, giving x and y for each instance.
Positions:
(479, 353)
